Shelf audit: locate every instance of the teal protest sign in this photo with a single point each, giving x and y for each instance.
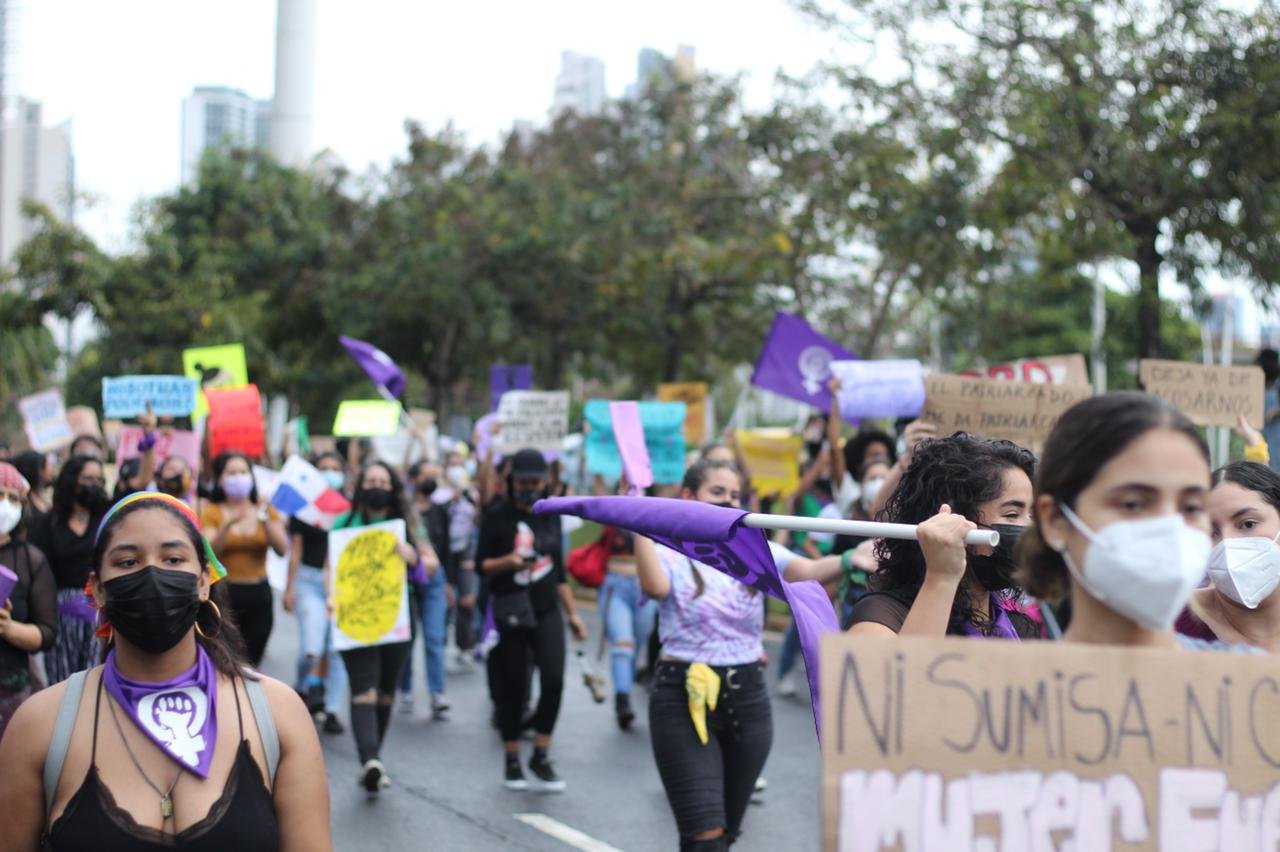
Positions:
(662, 422)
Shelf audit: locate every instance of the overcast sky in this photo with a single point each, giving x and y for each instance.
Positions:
(119, 70)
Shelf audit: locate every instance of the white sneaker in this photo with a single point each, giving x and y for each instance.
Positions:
(406, 702)
(439, 704)
(787, 686)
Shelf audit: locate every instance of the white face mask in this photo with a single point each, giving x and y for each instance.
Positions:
(10, 514)
(1144, 570)
(1247, 570)
(871, 490)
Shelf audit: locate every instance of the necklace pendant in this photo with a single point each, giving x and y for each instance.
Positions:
(166, 807)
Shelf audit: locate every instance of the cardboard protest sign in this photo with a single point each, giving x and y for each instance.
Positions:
(1021, 412)
(694, 397)
(508, 377)
(536, 419)
(44, 417)
(366, 417)
(235, 421)
(215, 367)
(872, 389)
(1209, 395)
(945, 744)
(773, 459)
(368, 586)
(661, 422)
(1049, 370)
(169, 396)
(84, 421)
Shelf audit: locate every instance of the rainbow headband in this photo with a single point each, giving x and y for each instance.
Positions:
(217, 568)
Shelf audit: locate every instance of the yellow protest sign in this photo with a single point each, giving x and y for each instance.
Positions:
(367, 418)
(773, 459)
(215, 367)
(371, 604)
(944, 744)
(694, 396)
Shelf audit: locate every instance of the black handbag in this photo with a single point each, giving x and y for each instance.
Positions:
(514, 611)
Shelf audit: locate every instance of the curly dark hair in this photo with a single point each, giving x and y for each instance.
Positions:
(962, 471)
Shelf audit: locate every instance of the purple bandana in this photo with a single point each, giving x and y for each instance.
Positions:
(179, 715)
(1001, 626)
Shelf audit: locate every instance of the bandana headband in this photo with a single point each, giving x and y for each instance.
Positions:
(216, 566)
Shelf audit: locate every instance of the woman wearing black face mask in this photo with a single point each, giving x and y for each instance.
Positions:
(374, 671)
(169, 743)
(65, 536)
(938, 585)
(521, 554)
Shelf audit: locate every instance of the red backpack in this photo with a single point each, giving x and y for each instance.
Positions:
(589, 563)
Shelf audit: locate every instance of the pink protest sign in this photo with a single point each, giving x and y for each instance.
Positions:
(628, 432)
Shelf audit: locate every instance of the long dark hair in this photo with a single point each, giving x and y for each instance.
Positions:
(1090, 434)
(31, 465)
(1251, 476)
(219, 636)
(397, 509)
(217, 495)
(962, 471)
(64, 487)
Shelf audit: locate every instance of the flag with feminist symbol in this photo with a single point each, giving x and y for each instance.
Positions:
(716, 537)
(795, 361)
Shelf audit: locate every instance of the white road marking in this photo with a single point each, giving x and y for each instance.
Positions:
(565, 834)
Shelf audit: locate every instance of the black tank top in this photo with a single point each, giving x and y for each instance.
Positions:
(243, 818)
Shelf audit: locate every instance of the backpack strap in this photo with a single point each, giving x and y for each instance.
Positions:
(63, 725)
(266, 725)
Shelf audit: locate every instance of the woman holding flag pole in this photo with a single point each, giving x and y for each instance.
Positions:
(172, 741)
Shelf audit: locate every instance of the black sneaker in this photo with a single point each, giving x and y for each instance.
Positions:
(622, 706)
(315, 698)
(332, 724)
(514, 778)
(371, 775)
(547, 781)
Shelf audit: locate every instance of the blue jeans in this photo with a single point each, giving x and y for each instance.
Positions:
(790, 651)
(315, 637)
(627, 625)
(431, 603)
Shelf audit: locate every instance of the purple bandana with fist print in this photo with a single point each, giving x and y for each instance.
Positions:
(179, 715)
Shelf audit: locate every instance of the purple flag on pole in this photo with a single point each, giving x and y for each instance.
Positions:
(715, 536)
(377, 364)
(795, 361)
(628, 432)
(508, 377)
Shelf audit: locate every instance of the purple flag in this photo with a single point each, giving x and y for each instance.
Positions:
(628, 432)
(179, 715)
(795, 361)
(715, 536)
(377, 364)
(508, 377)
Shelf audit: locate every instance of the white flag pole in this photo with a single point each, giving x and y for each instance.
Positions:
(864, 529)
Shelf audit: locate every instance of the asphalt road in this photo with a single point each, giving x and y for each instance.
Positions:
(447, 792)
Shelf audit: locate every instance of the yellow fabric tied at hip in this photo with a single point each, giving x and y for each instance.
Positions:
(703, 686)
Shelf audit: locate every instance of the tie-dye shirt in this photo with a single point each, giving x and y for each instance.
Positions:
(720, 627)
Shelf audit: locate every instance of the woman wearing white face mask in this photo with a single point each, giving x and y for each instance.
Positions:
(1121, 520)
(1244, 565)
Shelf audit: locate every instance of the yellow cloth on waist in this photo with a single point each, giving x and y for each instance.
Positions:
(703, 686)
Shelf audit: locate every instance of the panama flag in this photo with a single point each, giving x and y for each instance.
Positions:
(303, 493)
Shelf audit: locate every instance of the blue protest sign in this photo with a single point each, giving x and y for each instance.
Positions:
(127, 396)
(662, 422)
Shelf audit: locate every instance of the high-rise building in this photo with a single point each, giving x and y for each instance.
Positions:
(38, 164)
(579, 85)
(220, 117)
(653, 68)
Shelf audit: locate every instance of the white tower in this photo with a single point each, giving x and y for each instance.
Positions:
(294, 101)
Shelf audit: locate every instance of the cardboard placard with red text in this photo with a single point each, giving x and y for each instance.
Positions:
(235, 421)
(1022, 412)
(1208, 394)
(956, 743)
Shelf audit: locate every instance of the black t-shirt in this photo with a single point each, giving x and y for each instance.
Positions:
(34, 602)
(315, 542)
(70, 556)
(503, 528)
(891, 608)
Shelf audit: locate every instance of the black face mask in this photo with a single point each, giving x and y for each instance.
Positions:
(726, 505)
(526, 496)
(91, 497)
(426, 487)
(172, 486)
(152, 608)
(378, 499)
(995, 572)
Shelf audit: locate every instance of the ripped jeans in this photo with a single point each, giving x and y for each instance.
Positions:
(627, 624)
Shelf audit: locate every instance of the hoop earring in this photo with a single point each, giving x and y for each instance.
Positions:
(218, 614)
